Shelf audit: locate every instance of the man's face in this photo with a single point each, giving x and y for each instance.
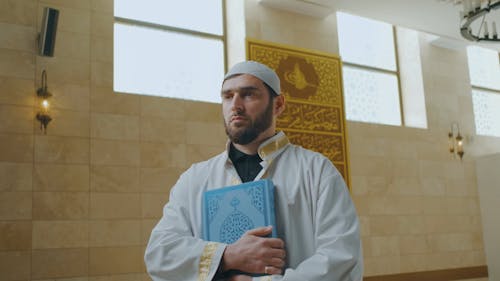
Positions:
(247, 108)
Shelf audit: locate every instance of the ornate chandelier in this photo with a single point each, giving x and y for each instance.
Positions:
(474, 24)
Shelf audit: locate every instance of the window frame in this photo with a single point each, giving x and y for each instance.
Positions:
(484, 89)
(386, 71)
(183, 31)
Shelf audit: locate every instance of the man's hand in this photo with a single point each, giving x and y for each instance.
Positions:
(253, 253)
(240, 277)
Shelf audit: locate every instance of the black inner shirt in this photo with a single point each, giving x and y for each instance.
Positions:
(247, 166)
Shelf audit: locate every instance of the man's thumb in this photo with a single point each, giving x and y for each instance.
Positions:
(261, 231)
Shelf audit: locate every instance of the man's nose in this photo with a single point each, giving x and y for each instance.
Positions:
(237, 103)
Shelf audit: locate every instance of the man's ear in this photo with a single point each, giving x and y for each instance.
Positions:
(279, 104)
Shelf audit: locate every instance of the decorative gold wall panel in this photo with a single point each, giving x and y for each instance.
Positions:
(312, 84)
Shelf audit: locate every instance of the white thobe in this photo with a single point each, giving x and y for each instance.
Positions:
(314, 215)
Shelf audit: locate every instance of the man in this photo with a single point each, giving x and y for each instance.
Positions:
(316, 221)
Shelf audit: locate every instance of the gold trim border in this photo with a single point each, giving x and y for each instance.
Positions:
(206, 260)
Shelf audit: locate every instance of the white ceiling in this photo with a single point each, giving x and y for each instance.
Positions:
(438, 17)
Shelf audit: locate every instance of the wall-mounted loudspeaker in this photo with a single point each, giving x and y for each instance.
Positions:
(47, 39)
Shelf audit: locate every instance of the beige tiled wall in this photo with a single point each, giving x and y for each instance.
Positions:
(78, 204)
(419, 208)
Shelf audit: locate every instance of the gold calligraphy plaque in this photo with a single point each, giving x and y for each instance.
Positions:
(312, 84)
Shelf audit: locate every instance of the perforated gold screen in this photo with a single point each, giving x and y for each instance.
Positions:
(312, 84)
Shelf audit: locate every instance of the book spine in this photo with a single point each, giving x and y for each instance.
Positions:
(205, 218)
(271, 213)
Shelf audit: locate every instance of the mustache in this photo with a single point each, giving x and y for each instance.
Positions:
(238, 114)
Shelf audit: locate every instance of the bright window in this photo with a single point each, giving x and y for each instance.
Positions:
(484, 72)
(373, 74)
(169, 49)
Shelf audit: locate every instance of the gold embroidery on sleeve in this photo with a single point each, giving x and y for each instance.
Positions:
(206, 260)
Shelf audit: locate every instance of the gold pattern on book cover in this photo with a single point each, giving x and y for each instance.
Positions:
(312, 84)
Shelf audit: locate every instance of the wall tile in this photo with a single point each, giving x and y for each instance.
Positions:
(405, 168)
(197, 153)
(411, 224)
(15, 176)
(384, 225)
(385, 246)
(103, 6)
(159, 179)
(205, 133)
(66, 279)
(414, 245)
(61, 150)
(60, 234)
(147, 227)
(104, 99)
(15, 205)
(382, 265)
(16, 148)
(159, 155)
(123, 277)
(457, 187)
(162, 130)
(17, 37)
(114, 127)
(73, 45)
(114, 179)
(75, 4)
(454, 242)
(15, 265)
(167, 108)
(70, 96)
(364, 222)
(18, 11)
(66, 123)
(433, 186)
(102, 25)
(50, 177)
(16, 119)
(115, 206)
(116, 260)
(15, 235)
(405, 186)
(370, 166)
(64, 70)
(101, 49)
(17, 91)
(413, 263)
(110, 233)
(60, 205)
(57, 263)
(102, 74)
(203, 112)
(17, 64)
(152, 204)
(119, 153)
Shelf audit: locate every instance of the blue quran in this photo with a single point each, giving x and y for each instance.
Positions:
(229, 212)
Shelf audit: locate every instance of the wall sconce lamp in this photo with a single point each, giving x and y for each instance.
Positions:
(43, 95)
(455, 141)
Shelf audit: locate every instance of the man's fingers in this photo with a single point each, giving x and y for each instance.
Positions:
(277, 253)
(275, 243)
(276, 262)
(272, 270)
(260, 231)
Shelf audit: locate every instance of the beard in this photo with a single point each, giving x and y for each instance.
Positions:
(246, 134)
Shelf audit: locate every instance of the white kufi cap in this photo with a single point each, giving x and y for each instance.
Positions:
(259, 70)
